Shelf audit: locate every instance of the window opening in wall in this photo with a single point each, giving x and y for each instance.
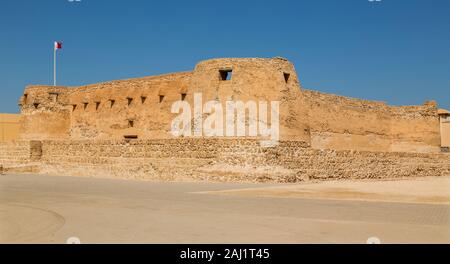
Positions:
(143, 99)
(286, 77)
(129, 137)
(130, 100)
(36, 105)
(161, 98)
(85, 105)
(74, 107)
(183, 96)
(130, 123)
(97, 105)
(53, 97)
(112, 102)
(225, 75)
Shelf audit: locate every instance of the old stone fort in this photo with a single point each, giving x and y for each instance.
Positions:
(121, 129)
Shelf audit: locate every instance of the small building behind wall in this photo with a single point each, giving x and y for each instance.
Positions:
(444, 117)
(9, 127)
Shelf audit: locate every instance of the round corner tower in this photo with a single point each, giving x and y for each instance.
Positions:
(256, 79)
(44, 113)
(141, 107)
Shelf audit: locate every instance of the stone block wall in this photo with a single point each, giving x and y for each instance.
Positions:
(14, 153)
(45, 113)
(141, 108)
(9, 127)
(230, 160)
(343, 123)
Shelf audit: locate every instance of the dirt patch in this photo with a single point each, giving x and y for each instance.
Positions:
(426, 190)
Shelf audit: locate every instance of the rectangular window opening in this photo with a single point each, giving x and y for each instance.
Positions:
(129, 137)
(130, 123)
(112, 102)
(74, 107)
(143, 99)
(53, 97)
(161, 98)
(225, 75)
(183, 96)
(85, 105)
(97, 105)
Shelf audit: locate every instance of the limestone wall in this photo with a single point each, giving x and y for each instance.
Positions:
(45, 113)
(230, 160)
(105, 111)
(339, 122)
(16, 153)
(102, 111)
(141, 108)
(256, 79)
(9, 127)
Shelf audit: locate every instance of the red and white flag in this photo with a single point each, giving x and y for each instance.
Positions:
(58, 45)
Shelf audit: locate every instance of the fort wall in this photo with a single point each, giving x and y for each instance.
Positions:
(138, 107)
(45, 113)
(9, 127)
(141, 108)
(339, 122)
(226, 160)
(17, 153)
(256, 79)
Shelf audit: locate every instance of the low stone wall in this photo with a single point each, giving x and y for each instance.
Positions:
(230, 160)
(14, 153)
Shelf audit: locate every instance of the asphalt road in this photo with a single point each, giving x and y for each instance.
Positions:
(45, 209)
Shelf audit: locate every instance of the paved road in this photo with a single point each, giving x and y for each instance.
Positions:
(44, 209)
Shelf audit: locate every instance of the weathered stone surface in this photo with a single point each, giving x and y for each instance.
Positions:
(15, 153)
(339, 122)
(104, 111)
(226, 160)
(80, 131)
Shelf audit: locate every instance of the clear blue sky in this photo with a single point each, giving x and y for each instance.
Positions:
(395, 50)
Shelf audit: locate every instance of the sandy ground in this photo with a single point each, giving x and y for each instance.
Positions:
(44, 209)
(419, 190)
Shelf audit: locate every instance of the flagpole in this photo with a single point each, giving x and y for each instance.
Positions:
(54, 65)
